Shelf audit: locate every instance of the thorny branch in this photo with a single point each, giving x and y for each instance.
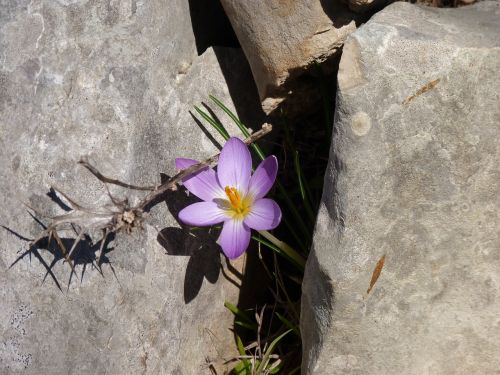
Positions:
(118, 215)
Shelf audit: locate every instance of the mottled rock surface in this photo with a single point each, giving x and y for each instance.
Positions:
(413, 175)
(281, 40)
(113, 80)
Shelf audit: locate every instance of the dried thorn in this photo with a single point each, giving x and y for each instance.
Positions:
(37, 220)
(83, 272)
(74, 229)
(84, 161)
(72, 203)
(15, 234)
(27, 252)
(114, 200)
(69, 280)
(49, 270)
(42, 235)
(98, 269)
(54, 261)
(52, 194)
(49, 239)
(64, 251)
(114, 273)
(75, 243)
(35, 211)
(101, 249)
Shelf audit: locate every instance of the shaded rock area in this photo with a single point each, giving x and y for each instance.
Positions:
(413, 175)
(283, 39)
(115, 81)
(361, 6)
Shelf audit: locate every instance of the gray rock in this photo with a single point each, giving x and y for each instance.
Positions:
(282, 39)
(413, 175)
(114, 81)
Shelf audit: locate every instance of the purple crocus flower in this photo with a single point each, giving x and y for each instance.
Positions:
(232, 196)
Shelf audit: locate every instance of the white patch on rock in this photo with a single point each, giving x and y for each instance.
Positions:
(361, 123)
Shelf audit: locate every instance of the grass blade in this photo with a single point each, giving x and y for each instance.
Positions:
(245, 319)
(217, 125)
(284, 247)
(269, 351)
(245, 325)
(296, 263)
(294, 233)
(302, 187)
(244, 367)
(288, 323)
(239, 124)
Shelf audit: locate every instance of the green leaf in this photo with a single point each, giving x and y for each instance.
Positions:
(245, 320)
(246, 325)
(244, 366)
(294, 233)
(284, 247)
(217, 125)
(239, 124)
(302, 187)
(269, 351)
(295, 370)
(288, 323)
(291, 206)
(233, 117)
(297, 263)
(241, 347)
(276, 369)
(242, 369)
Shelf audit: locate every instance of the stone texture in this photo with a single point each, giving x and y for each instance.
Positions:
(281, 40)
(113, 80)
(413, 175)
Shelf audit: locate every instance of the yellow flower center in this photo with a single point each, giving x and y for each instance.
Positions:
(239, 207)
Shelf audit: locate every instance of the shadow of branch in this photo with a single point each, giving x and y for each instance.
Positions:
(84, 253)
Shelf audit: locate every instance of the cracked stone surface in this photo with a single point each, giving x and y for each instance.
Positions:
(413, 175)
(115, 81)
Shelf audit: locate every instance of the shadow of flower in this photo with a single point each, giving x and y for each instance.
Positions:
(197, 243)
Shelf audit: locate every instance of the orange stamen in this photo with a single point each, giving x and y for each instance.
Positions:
(234, 197)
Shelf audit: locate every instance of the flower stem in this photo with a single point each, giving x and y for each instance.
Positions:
(283, 246)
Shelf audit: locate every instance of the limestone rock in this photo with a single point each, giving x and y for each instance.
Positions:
(281, 40)
(413, 175)
(114, 82)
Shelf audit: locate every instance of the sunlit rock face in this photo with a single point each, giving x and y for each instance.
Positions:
(115, 81)
(285, 41)
(413, 176)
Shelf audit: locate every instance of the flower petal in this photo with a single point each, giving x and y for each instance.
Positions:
(265, 214)
(234, 238)
(235, 165)
(263, 178)
(203, 184)
(202, 214)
